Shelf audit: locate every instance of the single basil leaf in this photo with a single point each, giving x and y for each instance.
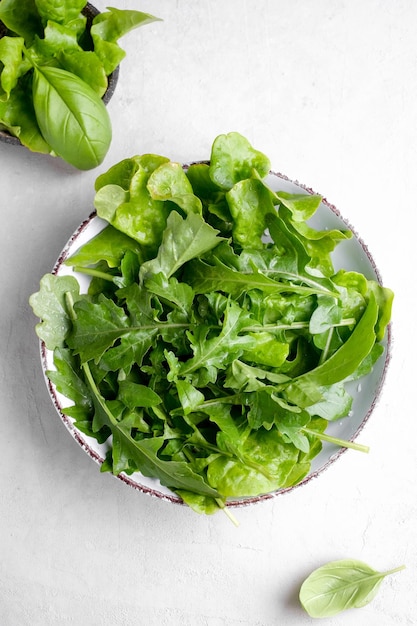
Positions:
(340, 585)
(50, 305)
(234, 159)
(71, 116)
(21, 17)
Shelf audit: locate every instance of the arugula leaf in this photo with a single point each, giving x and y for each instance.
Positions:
(183, 240)
(217, 352)
(68, 381)
(144, 453)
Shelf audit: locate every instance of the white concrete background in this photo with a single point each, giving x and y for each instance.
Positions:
(328, 89)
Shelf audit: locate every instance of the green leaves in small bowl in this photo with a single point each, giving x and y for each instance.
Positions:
(56, 63)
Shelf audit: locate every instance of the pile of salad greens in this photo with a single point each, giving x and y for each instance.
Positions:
(215, 340)
(54, 72)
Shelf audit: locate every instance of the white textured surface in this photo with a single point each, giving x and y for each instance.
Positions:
(329, 91)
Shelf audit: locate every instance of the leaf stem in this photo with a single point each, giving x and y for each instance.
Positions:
(295, 325)
(97, 393)
(339, 442)
(92, 272)
(227, 511)
(325, 352)
(394, 571)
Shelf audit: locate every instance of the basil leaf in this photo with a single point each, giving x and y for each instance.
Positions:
(340, 585)
(71, 116)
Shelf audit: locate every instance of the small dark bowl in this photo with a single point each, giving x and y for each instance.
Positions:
(90, 12)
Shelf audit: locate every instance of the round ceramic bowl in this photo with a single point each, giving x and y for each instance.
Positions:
(90, 12)
(350, 254)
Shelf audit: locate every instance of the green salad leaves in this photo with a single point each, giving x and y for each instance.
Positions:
(215, 340)
(54, 72)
